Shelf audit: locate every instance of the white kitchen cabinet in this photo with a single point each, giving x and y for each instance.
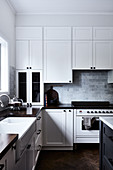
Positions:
(82, 33)
(28, 54)
(57, 55)
(29, 86)
(57, 62)
(82, 55)
(58, 128)
(82, 48)
(22, 54)
(57, 33)
(8, 160)
(103, 33)
(29, 47)
(28, 33)
(93, 48)
(103, 54)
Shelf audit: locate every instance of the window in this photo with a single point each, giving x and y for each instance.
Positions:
(4, 85)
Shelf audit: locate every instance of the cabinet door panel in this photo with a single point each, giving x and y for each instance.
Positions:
(102, 54)
(103, 33)
(82, 54)
(54, 128)
(57, 33)
(29, 33)
(57, 67)
(22, 54)
(36, 54)
(82, 33)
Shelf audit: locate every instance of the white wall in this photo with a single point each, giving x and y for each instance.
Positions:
(65, 20)
(7, 28)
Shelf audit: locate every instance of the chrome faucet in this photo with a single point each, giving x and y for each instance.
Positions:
(2, 105)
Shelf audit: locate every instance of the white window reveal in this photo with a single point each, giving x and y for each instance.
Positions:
(4, 83)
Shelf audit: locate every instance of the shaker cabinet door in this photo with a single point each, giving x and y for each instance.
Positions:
(54, 128)
(103, 54)
(22, 54)
(57, 62)
(36, 54)
(82, 55)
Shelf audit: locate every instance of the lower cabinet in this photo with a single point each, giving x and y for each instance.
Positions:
(8, 161)
(58, 128)
(106, 147)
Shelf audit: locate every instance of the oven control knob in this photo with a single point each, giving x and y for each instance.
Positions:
(103, 111)
(107, 112)
(95, 111)
(91, 111)
(111, 112)
(88, 111)
(99, 111)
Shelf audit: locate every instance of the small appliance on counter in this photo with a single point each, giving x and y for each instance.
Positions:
(51, 97)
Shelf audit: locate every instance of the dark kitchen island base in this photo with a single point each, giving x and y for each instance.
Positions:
(86, 157)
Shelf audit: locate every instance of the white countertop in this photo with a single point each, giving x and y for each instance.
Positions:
(108, 121)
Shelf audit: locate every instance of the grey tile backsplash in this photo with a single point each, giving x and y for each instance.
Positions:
(87, 85)
(12, 81)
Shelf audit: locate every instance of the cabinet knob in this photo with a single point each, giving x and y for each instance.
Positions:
(39, 118)
(27, 67)
(27, 104)
(39, 148)
(69, 110)
(69, 81)
(30, 67)
(91, 67)
(28, 147)
(64, 110)
(94, 67)
(14, 147)
(39, 131)
(30, 105)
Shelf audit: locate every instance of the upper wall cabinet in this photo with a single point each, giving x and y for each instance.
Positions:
(28, 33)
(57, 33)
(28, 48)
(92, 48)
(103, 47)
(82, 33)
(82, 48)
(103, 33)
(57, 55)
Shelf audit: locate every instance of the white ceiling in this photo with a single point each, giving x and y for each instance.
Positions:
(62, 6)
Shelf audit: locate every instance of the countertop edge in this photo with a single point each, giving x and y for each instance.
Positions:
(107, 121)
(8, 145)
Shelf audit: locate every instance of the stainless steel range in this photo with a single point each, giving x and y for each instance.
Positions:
(86, 120)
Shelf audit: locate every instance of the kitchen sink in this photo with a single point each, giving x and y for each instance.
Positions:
(23, 126)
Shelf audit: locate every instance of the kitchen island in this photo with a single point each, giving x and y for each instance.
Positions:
(106, 143)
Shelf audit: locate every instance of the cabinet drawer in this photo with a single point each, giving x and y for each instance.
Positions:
(107, 164)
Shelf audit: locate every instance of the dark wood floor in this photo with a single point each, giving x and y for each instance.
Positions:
(86, 157)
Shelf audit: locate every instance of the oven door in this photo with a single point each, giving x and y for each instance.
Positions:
(84, 131)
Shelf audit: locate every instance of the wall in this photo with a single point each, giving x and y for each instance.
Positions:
(7, 31)
(87, 85)
(65, 20)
